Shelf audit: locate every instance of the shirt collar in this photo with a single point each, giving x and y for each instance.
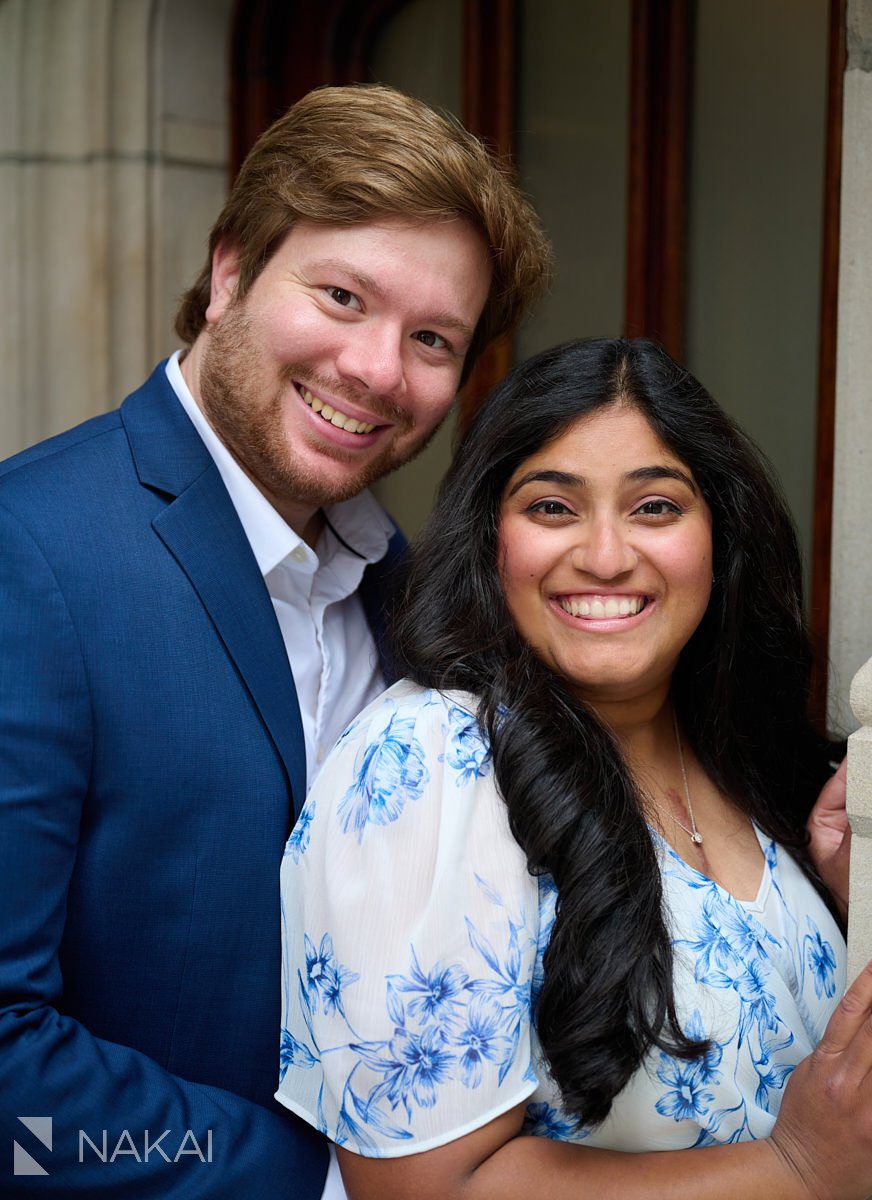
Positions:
(360, 522)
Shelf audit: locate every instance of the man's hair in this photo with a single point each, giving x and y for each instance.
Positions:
(348, 155)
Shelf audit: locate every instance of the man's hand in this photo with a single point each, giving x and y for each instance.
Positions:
(830, 834)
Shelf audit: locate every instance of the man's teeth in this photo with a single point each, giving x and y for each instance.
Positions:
(603, 609)
(333, 415)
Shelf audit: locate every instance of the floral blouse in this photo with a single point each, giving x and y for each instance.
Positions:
(413, 941)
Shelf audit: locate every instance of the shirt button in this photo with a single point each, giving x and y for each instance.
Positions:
(299, 555)
(321, 752)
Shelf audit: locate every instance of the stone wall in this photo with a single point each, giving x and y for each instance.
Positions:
(860, 814)
(113, 152)
(851, 588)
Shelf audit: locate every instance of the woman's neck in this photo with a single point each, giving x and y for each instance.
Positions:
(641, 725)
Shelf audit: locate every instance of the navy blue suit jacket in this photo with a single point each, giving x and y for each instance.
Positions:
(151, 761)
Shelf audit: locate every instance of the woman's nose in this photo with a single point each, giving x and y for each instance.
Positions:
(604, 549)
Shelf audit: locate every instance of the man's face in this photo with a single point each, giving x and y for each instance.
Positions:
(345, 354)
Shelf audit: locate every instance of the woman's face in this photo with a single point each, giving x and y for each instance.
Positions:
(605, 554)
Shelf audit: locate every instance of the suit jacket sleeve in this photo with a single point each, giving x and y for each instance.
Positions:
(50, 1065)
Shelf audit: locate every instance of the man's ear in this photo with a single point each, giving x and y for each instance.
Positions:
(225, 273)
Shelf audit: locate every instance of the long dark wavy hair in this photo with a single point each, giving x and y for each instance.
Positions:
(740, 692)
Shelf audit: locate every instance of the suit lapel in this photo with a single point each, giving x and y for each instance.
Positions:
(201, 530)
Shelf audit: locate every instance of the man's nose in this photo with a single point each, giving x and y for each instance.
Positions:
(372, 358)
(604, 549)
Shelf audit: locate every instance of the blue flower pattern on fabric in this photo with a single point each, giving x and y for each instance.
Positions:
(325, 978)
(454, 1024)
(821, 962)
(733, 951)
(298, 842)
(686, 1099)
(389, 771)
(541, 1120)
(447, 1025)
(292, 1054)
(468, 753)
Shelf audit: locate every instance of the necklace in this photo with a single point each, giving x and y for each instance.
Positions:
(693, 833)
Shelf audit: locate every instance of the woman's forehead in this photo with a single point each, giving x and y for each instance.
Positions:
(613, 439)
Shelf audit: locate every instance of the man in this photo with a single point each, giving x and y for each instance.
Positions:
(190, 611)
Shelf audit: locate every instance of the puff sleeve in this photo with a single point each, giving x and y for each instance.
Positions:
(409, 935)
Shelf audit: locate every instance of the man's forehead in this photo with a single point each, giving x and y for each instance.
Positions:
(323, 237)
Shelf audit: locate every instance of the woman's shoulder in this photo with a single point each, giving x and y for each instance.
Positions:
(429, 713)
(409, 744)
(415, 698)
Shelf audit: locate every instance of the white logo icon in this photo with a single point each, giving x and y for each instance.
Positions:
(24, 1163)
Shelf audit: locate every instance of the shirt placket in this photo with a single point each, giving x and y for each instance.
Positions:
(319, 607)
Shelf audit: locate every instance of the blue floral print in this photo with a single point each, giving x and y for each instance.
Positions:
(481, 1038)
(687, 1099)
(467, 751)
(388, 771)
(541, 1120)
(325, 977)
(436, 995)
(299, 840)
(821, 962)
(447, 1025)
(292, 1054)
(409, 1028)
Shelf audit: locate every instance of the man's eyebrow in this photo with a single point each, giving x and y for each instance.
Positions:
(640, 474)
(366, 283)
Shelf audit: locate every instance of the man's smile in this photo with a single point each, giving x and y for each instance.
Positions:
(332, 414)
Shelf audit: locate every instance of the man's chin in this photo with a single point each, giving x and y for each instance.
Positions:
(335, 477)
(323, 488)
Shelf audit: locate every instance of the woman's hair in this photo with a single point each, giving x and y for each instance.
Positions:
(348, 155)
(740, 690)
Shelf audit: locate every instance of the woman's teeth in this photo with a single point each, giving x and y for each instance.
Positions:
(333, 415)
(602, 608)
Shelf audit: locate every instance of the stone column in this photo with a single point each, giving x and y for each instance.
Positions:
(113, 152)
(860, 814)
(851, 586)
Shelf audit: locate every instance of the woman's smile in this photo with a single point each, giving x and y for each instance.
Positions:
(597, 606)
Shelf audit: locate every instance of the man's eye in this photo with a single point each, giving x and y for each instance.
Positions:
(429, 338)
(342, 296)
(658, 508)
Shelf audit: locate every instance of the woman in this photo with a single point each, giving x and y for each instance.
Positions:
(588, 803)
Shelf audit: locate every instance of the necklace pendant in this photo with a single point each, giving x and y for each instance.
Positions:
(696, 838)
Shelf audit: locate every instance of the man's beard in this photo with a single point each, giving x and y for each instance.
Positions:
(249, 420)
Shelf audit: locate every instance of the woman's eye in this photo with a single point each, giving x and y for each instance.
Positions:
(343, 297)
(429, 338)
(658, 508)
(549, 508)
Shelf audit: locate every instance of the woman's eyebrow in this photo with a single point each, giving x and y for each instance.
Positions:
(640, 474)
(563, 478)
